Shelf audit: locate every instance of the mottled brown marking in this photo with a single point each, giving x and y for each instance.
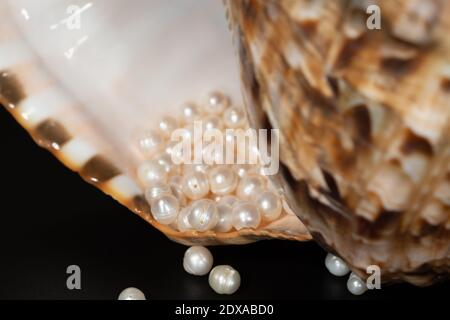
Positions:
(332, 81)
(445, 84)
(51, 134)
(383, 226)
(332, 185)
(99, 169)
(10, 89)
(398, 67)
(413, 143)
(348, 50)
(140, 205)
(357, 120)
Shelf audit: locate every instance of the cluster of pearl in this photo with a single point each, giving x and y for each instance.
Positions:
(339, 268)
(201, 197)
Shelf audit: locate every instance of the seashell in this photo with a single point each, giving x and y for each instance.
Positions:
(84, 81)
(364, 119)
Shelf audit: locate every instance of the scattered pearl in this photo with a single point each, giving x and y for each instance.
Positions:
(150, 171)
(216, 103)
(182, 220)
(195, 185)
(228, 200)
(222, 180)
(224, 279)
(250, 186)
(167, 125)
(150, 143)
(165, 209)
(234, 118)
(155, 190)
(356, 285)
(336, 265)
(204, 215)
(269, 205)
(131, 294)
(245, 215)
(225, 222)
(189, 112)
(197, 260)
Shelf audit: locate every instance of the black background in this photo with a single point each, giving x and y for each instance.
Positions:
(50, 219)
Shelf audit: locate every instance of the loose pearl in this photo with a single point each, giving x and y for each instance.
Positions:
(166, 162)
(228, 200)
(222, 180)
(131, 294)
(212, 122)
(167, 125)
(165, 209)
(195, 185)
(250, 186)
(150, 171)
(175, 189)
(242, 169)
(150, 143)
(216, 103)
(356, 285)
(182, 220)
(224, 279)
(269, 205)
(197, 261)
(245, 215)
(204, 215)
(234, 118)
(189, 112)
(225, 222)
(155, 190)
(336, 265)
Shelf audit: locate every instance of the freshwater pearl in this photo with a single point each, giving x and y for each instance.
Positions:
(150, 171)
(242, 169)
(225, 222)
(250, 186)
(245, 215)
(175, 189)
(336, 265)
(131, 294)
(356, 285)
(216, 103)
(189, 112)
(165, 161)
(155, 190)
(222, 180)
(228, 200)
(224, 279)
(269, 205)
(167, 125)
(182, 220)
(212, 122)
(203, 215)
(195, 185)
(165, 209)
(150, 143)
(197, 261)
(234, 118)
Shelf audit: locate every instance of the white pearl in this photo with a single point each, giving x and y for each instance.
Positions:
(195, 185)
(211, 122)
(242, 169)
(189, 112)
(197, 260)
(336, 265)
(203, 215)
(216, 103)
(155, 190)
(224, 279)
(182, 220)
(213, 154)
(131, 294)
(269, 205)
(245, 215)
(167, 125)
(150, 143)
(225, 222)
(356, 285)
(222, 180)
(228, 200)
(166, 162)
(165, 209)
(151, 171)
(234, 118)
(250, 186)
(175, 189)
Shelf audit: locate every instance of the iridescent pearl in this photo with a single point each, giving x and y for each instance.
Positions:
(165, 209)
(228, 200)
(250, 186)
(176, 190)
(189, 112)
(131, 294)
(245, 215)
(150, 143)
(182, 220)
(150, 171)
(204, 215)
(165, 161)
(211, 122)
(155, 190)
(269, 205)
(356, 285)
(224, 279)
(175, 151)
(222, 180)
(195, 185)
(197, 260)
(336, 265)
(167, 125)
(216, 103)
(234, 118)
(242, 169)
(225, 222)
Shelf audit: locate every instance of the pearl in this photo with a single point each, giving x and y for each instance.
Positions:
(131, 294)
(175, 189)
(250, 186)
(225, 222)
(167, 125)
(182, 220)
(356, 285)
(189, 168)
(212, 122)
(245, 215)
(224, 279)
(197, 261)
(222, 180)
(216, 103)
(336, 265)
(150, 143)
(228, 200)
(155, 190)
(234, 118)
(242, 169)
(195, 185)
(204, 215)
(165, 209)
(190, 112)
(269, 205)
(166, 162)
(150, 171)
